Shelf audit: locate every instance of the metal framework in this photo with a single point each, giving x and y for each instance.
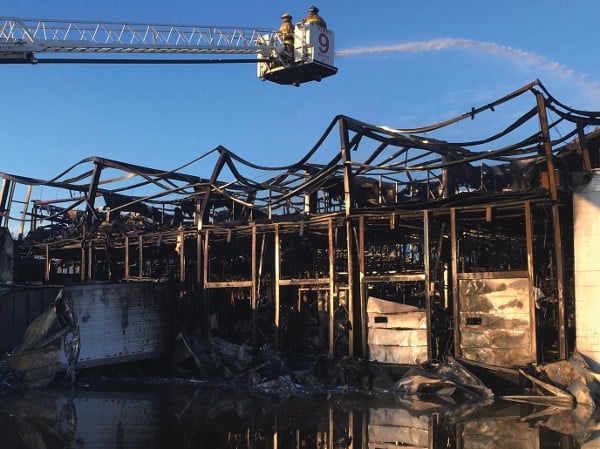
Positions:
(369, 210)
(21, 38)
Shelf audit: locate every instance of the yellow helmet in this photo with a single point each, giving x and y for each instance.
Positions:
(286, 16)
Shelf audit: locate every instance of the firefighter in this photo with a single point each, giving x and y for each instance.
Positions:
(286, 31)
(313, 17)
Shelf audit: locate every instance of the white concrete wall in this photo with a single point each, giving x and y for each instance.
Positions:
(586, 234)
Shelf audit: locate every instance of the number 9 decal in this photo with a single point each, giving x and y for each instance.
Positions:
(323, 43)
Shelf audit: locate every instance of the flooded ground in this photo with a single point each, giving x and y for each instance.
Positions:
(184, 414)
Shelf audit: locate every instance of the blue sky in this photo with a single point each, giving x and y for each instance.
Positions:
(164, 116)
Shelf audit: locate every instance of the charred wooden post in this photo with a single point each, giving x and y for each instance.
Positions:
(24, 212)
(253, 292)
(82, 266)
(140, 261)
(353, 311)
(454, 269)
(259, 271)
(46, 263)
(88, 259)
(583, 146)
(205, 259)
(4, 210)
(448, 181)
(558, 253)
(330, 428)
(332, 284)
(428, 292)
(205, 279)
(531, 275)
(345, 150)
(351, 424)
(277, 293)
(8, 193)
(198, 258)
(126, 271)
(362, 284)
(181, 238)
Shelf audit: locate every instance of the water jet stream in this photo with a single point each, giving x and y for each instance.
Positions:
(489, 47)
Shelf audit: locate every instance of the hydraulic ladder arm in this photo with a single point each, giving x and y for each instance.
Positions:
(24, 40)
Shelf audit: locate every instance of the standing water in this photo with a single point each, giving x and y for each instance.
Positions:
(198, 415)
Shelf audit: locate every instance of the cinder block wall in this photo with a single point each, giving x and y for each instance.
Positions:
(586, 234)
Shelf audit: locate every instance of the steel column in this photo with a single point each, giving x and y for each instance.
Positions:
(558, 253)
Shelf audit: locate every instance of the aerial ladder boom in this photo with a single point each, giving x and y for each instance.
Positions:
(24, 40)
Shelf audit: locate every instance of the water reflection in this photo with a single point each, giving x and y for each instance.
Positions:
(188, 416)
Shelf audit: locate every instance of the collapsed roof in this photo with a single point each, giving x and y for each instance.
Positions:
(353, 166)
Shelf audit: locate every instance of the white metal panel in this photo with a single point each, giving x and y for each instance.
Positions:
(509, 338)
(413, 320)
(119, 322)
(319, 43)
(400, 355)
(397, 333)
(398, 337)
(498, 356)
(495, 321)
(378, 305)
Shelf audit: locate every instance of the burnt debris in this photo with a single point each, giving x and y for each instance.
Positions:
(287, 257)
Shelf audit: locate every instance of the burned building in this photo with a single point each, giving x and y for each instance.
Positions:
(383, 243)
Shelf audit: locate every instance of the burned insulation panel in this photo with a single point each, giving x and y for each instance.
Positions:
(495, 320)
(397, 332)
